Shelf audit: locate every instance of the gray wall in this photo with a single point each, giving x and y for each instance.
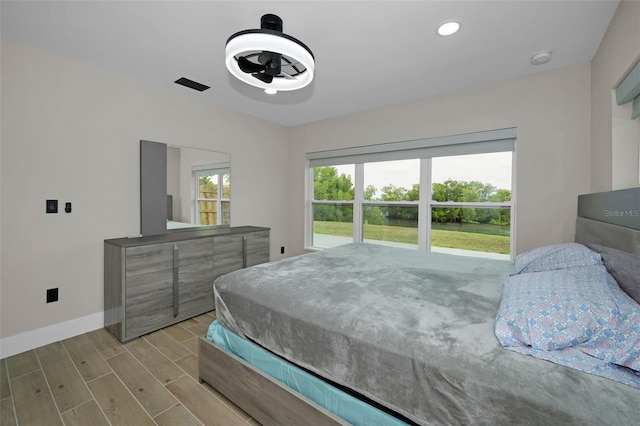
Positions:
(71, 131)
(550, 111)
(614, 163)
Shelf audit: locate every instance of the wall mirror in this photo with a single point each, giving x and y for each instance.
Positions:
(183, 188)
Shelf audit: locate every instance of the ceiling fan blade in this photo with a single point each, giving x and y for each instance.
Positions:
(249, 67)
(286, 76)
(263, 77)
(290, 62)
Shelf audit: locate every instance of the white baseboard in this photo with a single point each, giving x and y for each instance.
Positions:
(28, 340)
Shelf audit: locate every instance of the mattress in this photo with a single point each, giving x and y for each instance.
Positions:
(339, 402)
(413, 331)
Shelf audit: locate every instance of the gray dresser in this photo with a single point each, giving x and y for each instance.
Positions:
(155, 281)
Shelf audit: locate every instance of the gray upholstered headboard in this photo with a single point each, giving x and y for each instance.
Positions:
(610, 219)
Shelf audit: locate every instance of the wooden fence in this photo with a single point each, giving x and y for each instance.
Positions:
(209, 209)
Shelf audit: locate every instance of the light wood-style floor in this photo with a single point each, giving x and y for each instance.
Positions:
(95, 380)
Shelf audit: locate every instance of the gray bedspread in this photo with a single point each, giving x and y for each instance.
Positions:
(413, 331)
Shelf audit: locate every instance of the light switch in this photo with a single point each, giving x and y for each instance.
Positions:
(52, 206)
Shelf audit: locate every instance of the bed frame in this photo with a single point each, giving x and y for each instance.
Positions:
(259, 395)
(611, 219)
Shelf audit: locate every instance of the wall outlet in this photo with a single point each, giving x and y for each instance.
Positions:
(282, 250)
(52, 295)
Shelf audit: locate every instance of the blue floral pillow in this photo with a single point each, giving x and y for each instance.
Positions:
(556, 256)
(554, 309)
(579, 308)
(619, 341)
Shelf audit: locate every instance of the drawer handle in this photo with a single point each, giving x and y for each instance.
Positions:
(176, 262)
(244, 251)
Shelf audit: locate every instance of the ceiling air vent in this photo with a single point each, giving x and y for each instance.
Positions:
(192, 84)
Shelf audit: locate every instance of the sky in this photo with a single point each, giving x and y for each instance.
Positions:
(493, 168)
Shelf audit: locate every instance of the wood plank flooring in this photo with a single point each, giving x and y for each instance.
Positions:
(93, 379)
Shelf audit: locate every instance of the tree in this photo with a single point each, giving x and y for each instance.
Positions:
(207, 186)
(369, 192)
(449, 190)
(328, 185)
(371, 215)
(206, 182)
(504, 216)
(472, 191)
(394, 193)
(414, 193)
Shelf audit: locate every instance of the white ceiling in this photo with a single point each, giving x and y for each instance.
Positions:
(368, 53)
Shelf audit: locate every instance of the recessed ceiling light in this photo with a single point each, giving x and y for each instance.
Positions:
(541, 57)
(448, 28)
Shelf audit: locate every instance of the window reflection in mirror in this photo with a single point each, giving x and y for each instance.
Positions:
(214, 189)
(198, 188)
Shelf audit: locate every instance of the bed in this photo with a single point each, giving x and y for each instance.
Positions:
(413, 335)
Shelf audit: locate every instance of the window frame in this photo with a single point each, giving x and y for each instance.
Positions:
(425, 203)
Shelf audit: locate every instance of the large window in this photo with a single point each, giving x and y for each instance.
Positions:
(459, 203)
(213, 201)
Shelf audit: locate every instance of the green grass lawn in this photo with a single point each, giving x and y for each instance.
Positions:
(439, 238)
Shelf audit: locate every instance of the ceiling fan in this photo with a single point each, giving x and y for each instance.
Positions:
(268, 58)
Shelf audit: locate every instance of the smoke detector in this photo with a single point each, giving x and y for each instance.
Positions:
(541, 57)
